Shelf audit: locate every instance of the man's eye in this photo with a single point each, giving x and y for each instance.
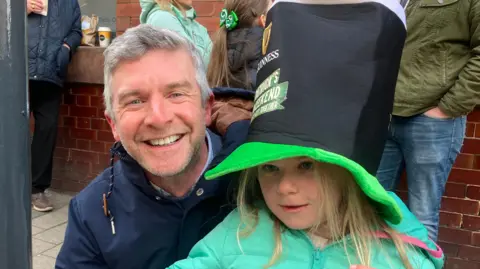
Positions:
(135, 102)
(307, 165)
(176, 94)
(268, 168)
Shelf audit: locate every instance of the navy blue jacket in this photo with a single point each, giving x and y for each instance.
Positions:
(48, 59)
(151, 232)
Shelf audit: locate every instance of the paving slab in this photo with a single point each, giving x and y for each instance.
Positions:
(53, 235)
(52, 219)
(39, 246)
(43, 262)
(53, 253)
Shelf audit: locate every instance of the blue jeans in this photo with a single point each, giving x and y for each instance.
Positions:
(427, 148)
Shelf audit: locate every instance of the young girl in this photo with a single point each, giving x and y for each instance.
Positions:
(179, 16)
(237, 44)
(308, 197)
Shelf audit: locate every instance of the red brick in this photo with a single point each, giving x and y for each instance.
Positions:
(450, 250)
(68, 99)
(68, 185)
(83, 144)
(123, 23)
(471, 223)
(470, 131)
(85, 156)
(455, 190)
(97, 101)
(460, 206)
(128, 9)
(86, 112)
(211, 23)
(62, 153)
(83, 134)
(469, 252)
(477, 130)
(100, 124)
(97, 146)
(471, 145)
(134, 21)
(68, 121)
(123, 1)
(449, 219)
(85, 90)
(476, 163)
(464, 161)
(64, 110)
(474, 116)
(105, 136)
(456, 236)
(465, 176)
(457, 263)
(476, 239)
(82, 100)
(207, 8)
(66, 142)
(473, 192)
(83, 123)
(402, 195)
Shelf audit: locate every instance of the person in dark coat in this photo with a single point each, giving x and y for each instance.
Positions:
(52, 40)
(153, 204)
(237, 45)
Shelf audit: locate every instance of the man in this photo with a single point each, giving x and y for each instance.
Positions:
(438, 84)
(52, 39)
(153, 205)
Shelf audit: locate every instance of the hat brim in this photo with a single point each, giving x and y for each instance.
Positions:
(253, 154)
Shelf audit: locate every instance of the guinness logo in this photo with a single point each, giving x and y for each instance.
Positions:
(266, 38)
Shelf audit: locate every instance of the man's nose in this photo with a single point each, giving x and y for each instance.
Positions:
(159, 112)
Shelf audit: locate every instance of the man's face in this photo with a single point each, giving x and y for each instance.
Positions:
(158, 112)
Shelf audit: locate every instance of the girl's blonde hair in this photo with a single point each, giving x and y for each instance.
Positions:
(219, 73)
(355, 216)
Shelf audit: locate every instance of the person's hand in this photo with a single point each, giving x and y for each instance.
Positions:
(436, 113)
(360, 267)
(34, 6)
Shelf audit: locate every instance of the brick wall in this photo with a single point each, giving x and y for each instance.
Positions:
(84, 139)
(128, 12)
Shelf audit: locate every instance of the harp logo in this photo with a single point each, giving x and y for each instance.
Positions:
(266, 38)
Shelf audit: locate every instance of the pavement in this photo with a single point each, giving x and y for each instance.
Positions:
(48, 230)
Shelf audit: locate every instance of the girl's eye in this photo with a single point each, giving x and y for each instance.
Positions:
(268, 168)
(307, 165)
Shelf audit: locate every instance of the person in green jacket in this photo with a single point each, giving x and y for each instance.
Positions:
(438, 85)
(307, 197)
(179, 16)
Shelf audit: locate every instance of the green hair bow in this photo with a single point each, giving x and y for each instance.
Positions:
(229, 20)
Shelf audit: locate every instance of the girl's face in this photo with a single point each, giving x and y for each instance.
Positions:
(291, 191)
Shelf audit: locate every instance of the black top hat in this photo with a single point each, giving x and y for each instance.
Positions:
(326, 87)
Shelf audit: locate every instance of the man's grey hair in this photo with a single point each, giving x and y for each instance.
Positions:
(138, 41)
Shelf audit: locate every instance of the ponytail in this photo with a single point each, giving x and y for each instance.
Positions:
(218, 73)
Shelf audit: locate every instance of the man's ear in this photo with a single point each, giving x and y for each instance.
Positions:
(111, 122)
(262, 20)
(208, 109)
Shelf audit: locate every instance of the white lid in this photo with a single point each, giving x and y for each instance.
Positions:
(104, 29)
